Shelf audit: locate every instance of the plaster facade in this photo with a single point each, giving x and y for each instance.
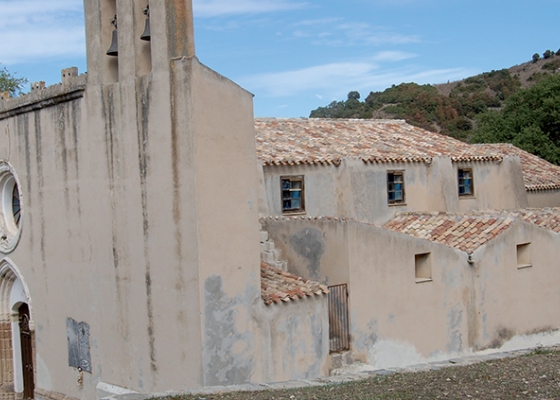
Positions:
(131, 206)
(139, 220)
(467, 304)
(357, 190)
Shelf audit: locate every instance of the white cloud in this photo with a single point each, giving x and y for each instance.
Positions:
(393, 56)
(320, 21)
(34, 30)
(336, 79)
(334, 32)
(214, 8)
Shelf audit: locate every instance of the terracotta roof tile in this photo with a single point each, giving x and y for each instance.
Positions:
(548, 218)
(537, 173)
(325, 141)
(278, 286)
(465, 232)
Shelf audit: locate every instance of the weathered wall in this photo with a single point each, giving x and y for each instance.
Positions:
(323, 190)
(497, 186)
(293, 340)
(312, 252)
(395, 320)
(516, 301)
(358, 190)
(227, 224)
(544, 198)
(131, 195)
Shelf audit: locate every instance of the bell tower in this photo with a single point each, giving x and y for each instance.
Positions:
(177, 147)
(120, 25)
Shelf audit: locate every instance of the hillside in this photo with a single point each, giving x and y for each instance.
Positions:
(450, 108)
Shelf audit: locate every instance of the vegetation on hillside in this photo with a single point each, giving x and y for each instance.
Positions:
(530, 119)
(520, 105)
(425, 106)
(9, 83)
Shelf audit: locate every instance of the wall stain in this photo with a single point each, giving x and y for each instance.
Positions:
(40, 193)
(107, 110)
(143, 163)
(63, 151)
(455, 318)
(222, 365)
(75, 117)
(309, 244)
(111, 151)
(27, 196)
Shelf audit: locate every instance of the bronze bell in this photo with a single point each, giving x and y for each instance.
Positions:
(146, 34)
(114, 48)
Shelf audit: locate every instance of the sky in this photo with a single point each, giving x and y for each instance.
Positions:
(297, 55)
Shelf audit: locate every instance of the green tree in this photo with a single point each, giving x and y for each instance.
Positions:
(536, 57)
(9, 83)
(354, 95)
(530, 120)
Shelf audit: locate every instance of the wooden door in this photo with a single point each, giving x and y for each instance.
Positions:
(26, 352)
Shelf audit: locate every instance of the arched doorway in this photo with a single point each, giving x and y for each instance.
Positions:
(16, 355)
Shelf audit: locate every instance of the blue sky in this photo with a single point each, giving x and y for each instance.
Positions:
(297, 55)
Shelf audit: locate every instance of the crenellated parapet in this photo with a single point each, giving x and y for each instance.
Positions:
(71, 87)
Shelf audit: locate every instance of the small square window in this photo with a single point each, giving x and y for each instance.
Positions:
(524, 255)
(292, 194)
(423, 267)
(395, 187)
(465, 179)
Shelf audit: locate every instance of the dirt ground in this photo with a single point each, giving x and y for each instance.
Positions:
(532, 376)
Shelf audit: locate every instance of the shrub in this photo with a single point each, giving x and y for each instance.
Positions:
(548, 54)
(551, 65)
(536, 57)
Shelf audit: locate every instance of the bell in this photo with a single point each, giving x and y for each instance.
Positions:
(114, 48)
(146, 34)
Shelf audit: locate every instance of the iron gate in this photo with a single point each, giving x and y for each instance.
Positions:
(339, 332)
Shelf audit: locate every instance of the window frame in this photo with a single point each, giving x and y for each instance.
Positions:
(461, 180)
(292, 189)
(423, 267)
(524, 256)
(401, 200)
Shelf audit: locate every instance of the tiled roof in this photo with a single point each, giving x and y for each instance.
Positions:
(278, 286)
(537, 173)
(465, 232)
(548, 218)
(325, 141)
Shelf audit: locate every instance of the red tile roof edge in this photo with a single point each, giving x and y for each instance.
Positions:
(545, 218)
(278, 286)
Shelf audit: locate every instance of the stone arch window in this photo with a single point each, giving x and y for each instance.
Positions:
(10, 208)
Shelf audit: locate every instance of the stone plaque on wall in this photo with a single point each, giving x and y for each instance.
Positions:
(77, 334)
